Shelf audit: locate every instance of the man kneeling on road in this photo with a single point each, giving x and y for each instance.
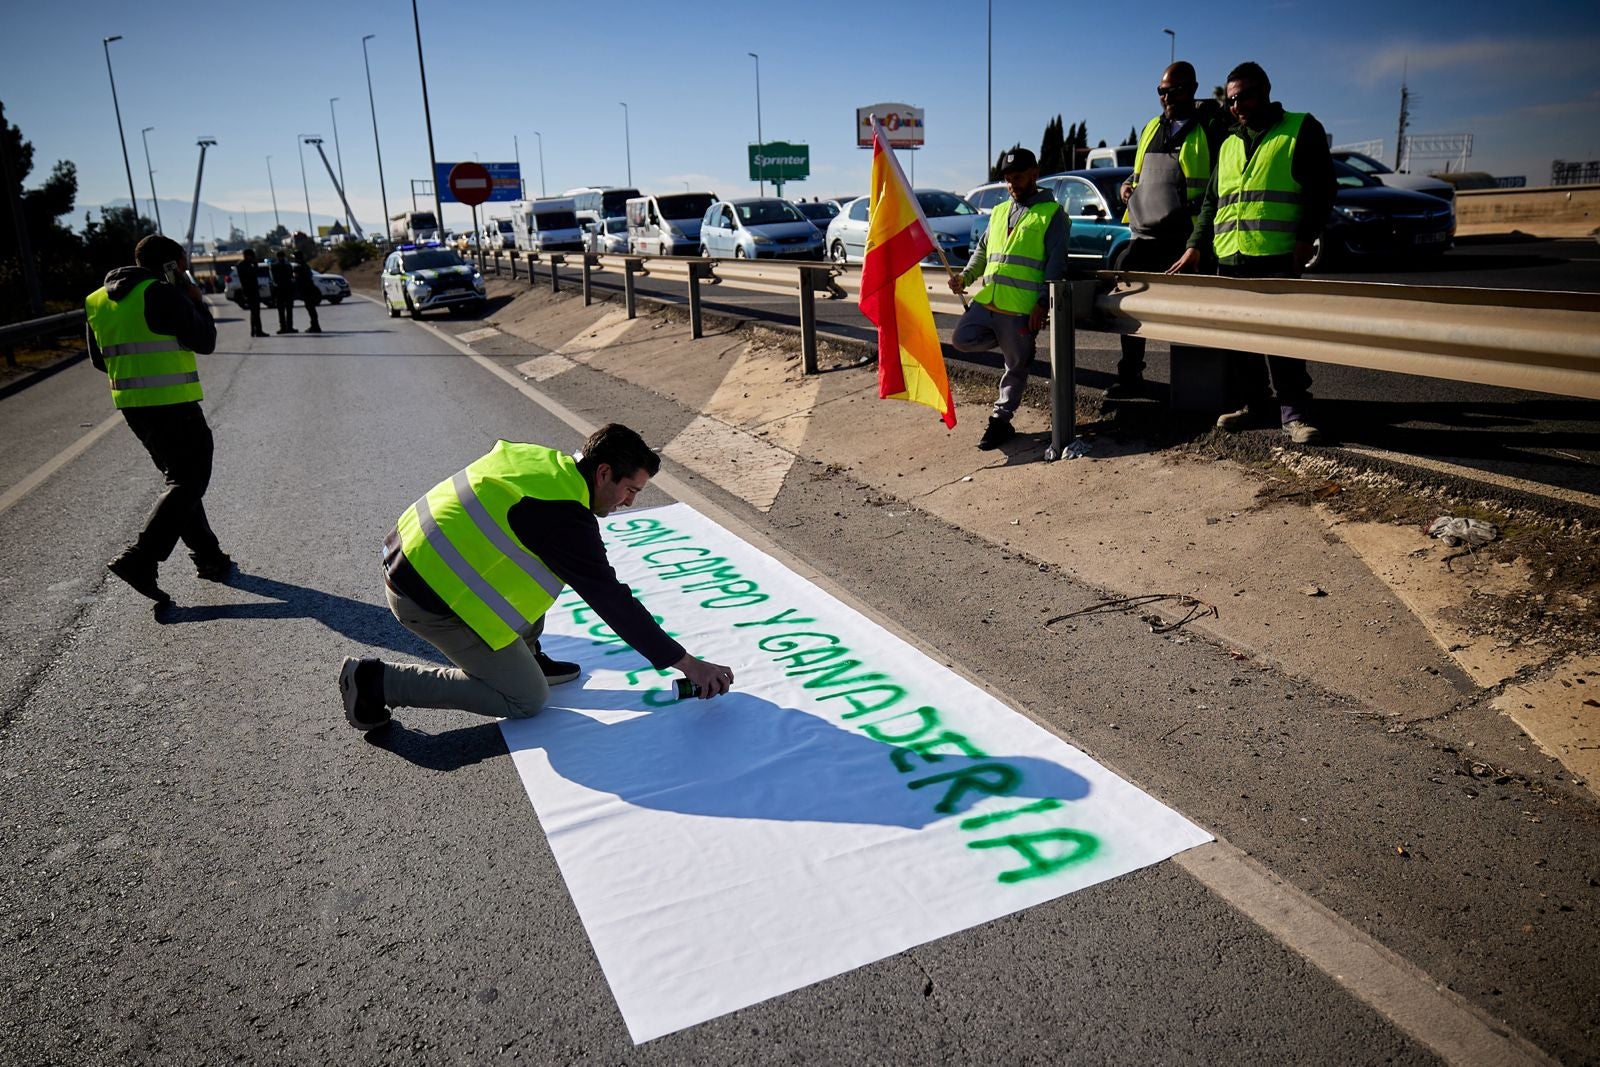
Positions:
(1023, 249)
(458, 580)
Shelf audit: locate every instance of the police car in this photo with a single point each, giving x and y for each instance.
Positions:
(418, 278)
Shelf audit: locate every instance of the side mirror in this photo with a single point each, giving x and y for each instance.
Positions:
(1094, 211)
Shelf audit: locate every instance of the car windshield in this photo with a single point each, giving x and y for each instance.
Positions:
(1348, 177)
(431, 259)
(1365, 164)
(985, 199)
(616, 225)
(818, 212)
(556, 220)
(685, 205)
(614, 202)
(938, 205)
(764, 212)
(506, 227)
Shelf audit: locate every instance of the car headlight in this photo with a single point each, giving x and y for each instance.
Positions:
(949, 239)
(417, 285)
(1354, 214)
(760, 239)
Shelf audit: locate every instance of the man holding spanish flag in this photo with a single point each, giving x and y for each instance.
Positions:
(1021, 252)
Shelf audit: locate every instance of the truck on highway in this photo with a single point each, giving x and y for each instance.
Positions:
(413, 227)
(549, 224)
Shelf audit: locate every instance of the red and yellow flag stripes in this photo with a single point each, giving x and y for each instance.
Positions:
(893, 296)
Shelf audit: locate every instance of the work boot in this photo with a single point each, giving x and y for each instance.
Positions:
(1246, 418)
(215, 569)
(997, 433)
(1302, 432)
(1126, 389)
(361, 689)
(557, 671)
(139, 573)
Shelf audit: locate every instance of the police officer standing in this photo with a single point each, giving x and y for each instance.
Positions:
(145, 326)
(283, 291)
(1023, 249)
(1177, 152)
(306, 287)
(249, 275)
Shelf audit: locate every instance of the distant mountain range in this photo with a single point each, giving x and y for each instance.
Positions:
(175, 218)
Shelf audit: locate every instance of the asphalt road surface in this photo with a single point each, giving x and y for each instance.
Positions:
(1546, 441)
(203, 863)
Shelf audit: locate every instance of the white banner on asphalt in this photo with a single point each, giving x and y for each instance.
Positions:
(850, 800)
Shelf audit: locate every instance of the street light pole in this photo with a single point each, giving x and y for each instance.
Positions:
(1172, 51)
(300, 146)
(155, 205)
(188, 241)
(759, 141)
(539, 135)
(988, 140)
(133, 201)
(433, 160)
(627, 142)
(382, 192)
(349, 220)
(277, 223)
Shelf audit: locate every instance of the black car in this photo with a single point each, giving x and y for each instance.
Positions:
(1372, 219)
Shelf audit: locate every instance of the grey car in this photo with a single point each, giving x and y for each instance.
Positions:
(758, 228)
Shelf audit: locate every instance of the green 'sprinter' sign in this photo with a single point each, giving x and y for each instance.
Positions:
(779, 161)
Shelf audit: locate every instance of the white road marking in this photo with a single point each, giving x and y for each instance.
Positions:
(543, 368)
(1412, 1000)
(737, 462)
(61, 459)
(478, 335)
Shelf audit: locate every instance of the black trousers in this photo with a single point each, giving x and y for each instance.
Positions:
(285, 311)
(311, 303)
(179, 442)
(1153, 256)
(254, 307)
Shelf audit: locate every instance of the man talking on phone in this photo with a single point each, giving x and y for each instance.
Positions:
(145, 326)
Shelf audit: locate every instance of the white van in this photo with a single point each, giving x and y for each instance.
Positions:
(499, 233)
(547, 225)
(1120, 156)
(667, 225)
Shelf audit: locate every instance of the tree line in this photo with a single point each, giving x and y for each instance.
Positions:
(1061, 148)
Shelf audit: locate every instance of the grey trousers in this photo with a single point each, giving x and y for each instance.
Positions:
(981, 329)
(505, 684)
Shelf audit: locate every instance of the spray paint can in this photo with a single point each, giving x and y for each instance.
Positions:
(687, 689)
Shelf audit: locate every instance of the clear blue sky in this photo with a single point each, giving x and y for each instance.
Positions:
(1524, 79)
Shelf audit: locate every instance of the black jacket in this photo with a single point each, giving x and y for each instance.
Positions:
(304, 286)
(166, 311)
(282, 277)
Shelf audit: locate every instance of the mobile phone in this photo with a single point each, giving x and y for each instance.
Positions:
(170, 271)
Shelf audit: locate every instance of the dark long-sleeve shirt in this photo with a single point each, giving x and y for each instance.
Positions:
(167, 310)
(1311, 166)
(1055, 240)
(566, 536)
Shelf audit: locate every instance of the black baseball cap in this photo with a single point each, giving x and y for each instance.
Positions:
(1017, 159)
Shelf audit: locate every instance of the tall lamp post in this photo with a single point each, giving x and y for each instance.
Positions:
(133, 201)
(539, 135)
(155, 205)
(188, 241)
(427, 115)
(384, 193)
(627, 141)
(300, 145)
(759, 141)
(277, 223)
(349, 223)
(1172, 51)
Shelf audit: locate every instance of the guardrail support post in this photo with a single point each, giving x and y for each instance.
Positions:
(696, 320)
(513, 265)
(588, 270)
(808, 320)
(555, 278)
(1063, 369)
(629, 296)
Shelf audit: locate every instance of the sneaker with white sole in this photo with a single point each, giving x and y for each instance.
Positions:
(557, 671)
(1302, 432)
(361, 689)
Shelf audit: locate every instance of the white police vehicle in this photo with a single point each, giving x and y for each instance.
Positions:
(418, 278)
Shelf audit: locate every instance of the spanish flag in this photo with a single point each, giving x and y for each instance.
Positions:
(893, 296)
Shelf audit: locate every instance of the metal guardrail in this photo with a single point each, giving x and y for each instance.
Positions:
(13, 334)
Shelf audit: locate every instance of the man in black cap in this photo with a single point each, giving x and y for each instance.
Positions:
(1021, 252)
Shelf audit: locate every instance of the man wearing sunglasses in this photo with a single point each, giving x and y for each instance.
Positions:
(1177, 153)
(1267, 202)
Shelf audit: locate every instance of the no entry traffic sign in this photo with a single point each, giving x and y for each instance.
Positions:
(470, 183)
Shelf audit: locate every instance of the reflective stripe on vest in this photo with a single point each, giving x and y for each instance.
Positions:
(1259, 205)
(1194, 159)
(459, 541)
(145, 369)
(1013, 273)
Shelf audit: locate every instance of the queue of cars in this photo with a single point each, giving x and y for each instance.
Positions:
(333, 287)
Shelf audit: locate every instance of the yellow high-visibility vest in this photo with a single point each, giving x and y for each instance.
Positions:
(146, 369)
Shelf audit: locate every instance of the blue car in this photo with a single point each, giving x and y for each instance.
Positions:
(758, 228)
(1092, 200)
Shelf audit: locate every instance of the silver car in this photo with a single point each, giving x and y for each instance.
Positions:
(758, 228)
(955, 223)
(1417, 183)
(607, 235)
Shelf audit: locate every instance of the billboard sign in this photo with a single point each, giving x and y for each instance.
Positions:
(506, 178)
(902, 122)
(780, 161)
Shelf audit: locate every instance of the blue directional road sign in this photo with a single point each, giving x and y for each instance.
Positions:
(507, 178)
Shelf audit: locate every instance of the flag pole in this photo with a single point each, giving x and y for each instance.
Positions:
(877, 136)
(951, 270)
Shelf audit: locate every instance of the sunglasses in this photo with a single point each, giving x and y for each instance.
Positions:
(1178, 90)
(1247, 94)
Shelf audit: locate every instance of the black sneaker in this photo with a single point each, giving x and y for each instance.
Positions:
(998, 433)
(1126, 389)
(361, 688)
(139, 574)
(557, 671)
(219, 569)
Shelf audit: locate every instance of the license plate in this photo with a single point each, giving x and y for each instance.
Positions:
(1429, 239)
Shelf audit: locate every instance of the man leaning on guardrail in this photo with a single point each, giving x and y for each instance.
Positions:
(145, 326)
(1267, 204)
